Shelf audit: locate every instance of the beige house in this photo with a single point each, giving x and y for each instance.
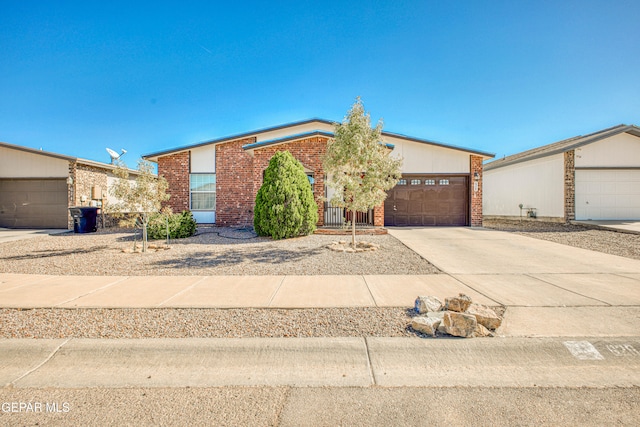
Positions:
(38, 187)
(590, 177)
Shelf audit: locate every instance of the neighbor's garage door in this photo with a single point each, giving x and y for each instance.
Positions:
(607, 194)
(428, 200)
(33, 203)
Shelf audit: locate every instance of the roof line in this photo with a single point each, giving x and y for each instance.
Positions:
(35, 151)
(287, 139)
(319, 132)
(235, 137)
(62, 156)
(561, 146)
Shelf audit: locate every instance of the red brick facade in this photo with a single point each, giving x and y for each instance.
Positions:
(175, 169)
(239, 175)
(476, 191)
(235, 188)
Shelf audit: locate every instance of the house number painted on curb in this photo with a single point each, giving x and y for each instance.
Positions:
(623, 350)
(583, 350)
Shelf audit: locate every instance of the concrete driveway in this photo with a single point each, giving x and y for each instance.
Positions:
(550, 289)
(13, 234)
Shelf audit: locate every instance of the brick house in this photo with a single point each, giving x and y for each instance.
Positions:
(218, 179)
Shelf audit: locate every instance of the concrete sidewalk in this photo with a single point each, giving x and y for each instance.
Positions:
(31, 291)
(627, 226)
(321, 362)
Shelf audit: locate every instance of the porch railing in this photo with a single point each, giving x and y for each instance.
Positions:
(340, 217)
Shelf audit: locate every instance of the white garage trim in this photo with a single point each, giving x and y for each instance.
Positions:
(607, 194)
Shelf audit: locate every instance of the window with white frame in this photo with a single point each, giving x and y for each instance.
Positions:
(203, 191)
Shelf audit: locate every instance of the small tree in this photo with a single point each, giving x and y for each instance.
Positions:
(284, 204)
(140, 199)
(359, 166)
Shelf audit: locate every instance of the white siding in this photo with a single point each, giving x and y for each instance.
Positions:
(294, 130)
(622, 150)
(425, 158)
(21, 164)
(111, 180)
(203, 159)
(535, 184)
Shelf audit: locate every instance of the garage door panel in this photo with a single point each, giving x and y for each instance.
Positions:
(430, 201)
(607, 194)
(33, 203)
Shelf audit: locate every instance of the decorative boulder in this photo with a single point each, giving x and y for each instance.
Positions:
(481, 331)
(458, 304)
(485, 316)
(459, 324)
(427, 304)
(426, 325)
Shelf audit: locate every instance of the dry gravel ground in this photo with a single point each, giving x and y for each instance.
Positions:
(212, 251)
(205, 323)
(610, 242)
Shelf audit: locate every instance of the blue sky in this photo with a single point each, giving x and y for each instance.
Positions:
(497, 76)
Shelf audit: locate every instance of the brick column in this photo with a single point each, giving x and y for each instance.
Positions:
(175, 169)
(476, 191)
(71, 192)
(569, 186)
(378, 216)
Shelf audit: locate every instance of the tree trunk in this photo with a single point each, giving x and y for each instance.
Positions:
(144, 236)
(353, 229)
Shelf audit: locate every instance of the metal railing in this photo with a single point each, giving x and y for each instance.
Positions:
(340, 217)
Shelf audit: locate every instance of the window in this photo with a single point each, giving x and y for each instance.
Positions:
(402, 182)
(203, 191)
(429, 182)
(444, 182)
(415, 182)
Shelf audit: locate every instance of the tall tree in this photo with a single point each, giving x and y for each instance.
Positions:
(358, 164)
(138, 199)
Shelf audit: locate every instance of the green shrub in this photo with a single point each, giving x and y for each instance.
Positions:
(284, 204)
(181, 225)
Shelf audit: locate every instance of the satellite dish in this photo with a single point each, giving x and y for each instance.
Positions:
(115, 156)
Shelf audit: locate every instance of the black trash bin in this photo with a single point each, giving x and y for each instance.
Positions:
(84, 219)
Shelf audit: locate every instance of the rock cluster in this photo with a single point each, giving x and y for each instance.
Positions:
(343, 246)
(458, 316)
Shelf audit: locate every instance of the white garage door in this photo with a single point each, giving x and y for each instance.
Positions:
(607, 194)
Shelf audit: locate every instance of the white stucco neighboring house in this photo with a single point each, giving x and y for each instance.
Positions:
(590, 177)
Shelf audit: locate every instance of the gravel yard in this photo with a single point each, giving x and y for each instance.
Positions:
(610, 242)
(205, 323)
(212, 251)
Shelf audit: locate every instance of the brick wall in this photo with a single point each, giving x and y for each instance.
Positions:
(175, 169)
(476, 196)
(569, 186)
(235, 187)
(309, 152)
(378, 216)
(87, 177)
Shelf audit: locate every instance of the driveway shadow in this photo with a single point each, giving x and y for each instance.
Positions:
(54, 253)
